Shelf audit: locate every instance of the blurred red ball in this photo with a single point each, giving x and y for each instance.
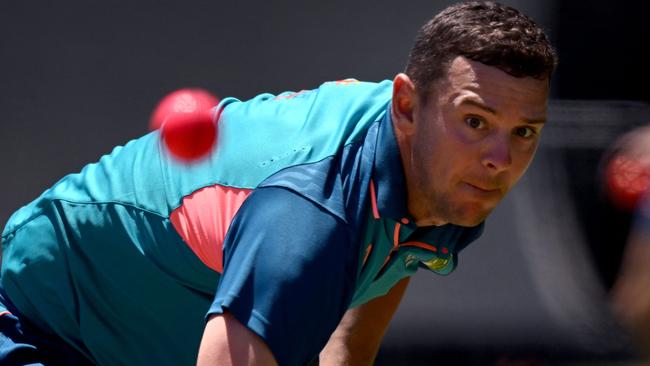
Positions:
(628, 179)
(184, 118)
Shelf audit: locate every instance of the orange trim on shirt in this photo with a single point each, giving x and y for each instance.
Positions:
(398, 226)
(373, 200)
(368, 250)
(418, 244)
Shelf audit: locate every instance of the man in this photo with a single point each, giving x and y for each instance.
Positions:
(628, 186)
(630, 298)
(298, 234)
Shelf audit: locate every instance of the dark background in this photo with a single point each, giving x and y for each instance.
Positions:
(79, 77)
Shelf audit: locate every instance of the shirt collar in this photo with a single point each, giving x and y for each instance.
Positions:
(388, 173)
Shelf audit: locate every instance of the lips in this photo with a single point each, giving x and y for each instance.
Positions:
(483, 190)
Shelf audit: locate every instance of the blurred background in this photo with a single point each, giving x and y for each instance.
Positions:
(79, 77)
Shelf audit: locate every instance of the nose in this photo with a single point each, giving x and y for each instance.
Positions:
(497, 156)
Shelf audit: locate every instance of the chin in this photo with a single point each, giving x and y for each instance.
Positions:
(469, 222)
(470, 216)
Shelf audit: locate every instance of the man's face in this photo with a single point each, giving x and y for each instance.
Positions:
(469, 142)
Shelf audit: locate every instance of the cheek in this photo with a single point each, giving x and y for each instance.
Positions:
(444, 169)
(522, 160)
(441, 155)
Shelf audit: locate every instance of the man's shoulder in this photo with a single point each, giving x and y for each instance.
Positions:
(269, 133)
(333, 107)
(336, 184)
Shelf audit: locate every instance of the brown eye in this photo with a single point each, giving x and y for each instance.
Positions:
(525, 132)
(474, 122)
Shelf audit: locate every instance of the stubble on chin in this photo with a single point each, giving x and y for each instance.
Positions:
(443, 210)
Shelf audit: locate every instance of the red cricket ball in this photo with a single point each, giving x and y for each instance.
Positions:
(184, 118)
(627, 180)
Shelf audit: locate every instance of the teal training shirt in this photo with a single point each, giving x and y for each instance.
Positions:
(123, 259)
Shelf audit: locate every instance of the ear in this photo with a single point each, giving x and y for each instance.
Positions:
(403, 103)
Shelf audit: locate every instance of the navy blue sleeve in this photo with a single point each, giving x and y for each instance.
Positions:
(289, 273)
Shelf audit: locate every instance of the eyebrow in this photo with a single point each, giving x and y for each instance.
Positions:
(477, 104)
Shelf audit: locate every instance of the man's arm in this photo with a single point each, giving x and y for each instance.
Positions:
(288, 277)
(227, 342)
(630, 296)
(357, 338)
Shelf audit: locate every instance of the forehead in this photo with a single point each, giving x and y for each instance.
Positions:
(493, 86)
(637, 142)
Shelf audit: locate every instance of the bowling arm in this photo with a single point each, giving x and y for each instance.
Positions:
(226, 342)
(357, 339)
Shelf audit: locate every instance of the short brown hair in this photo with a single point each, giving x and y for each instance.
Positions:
(483, 31)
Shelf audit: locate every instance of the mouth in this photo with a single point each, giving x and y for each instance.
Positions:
(483, 190)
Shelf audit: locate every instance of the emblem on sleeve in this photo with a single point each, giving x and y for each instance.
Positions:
(436, 264)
